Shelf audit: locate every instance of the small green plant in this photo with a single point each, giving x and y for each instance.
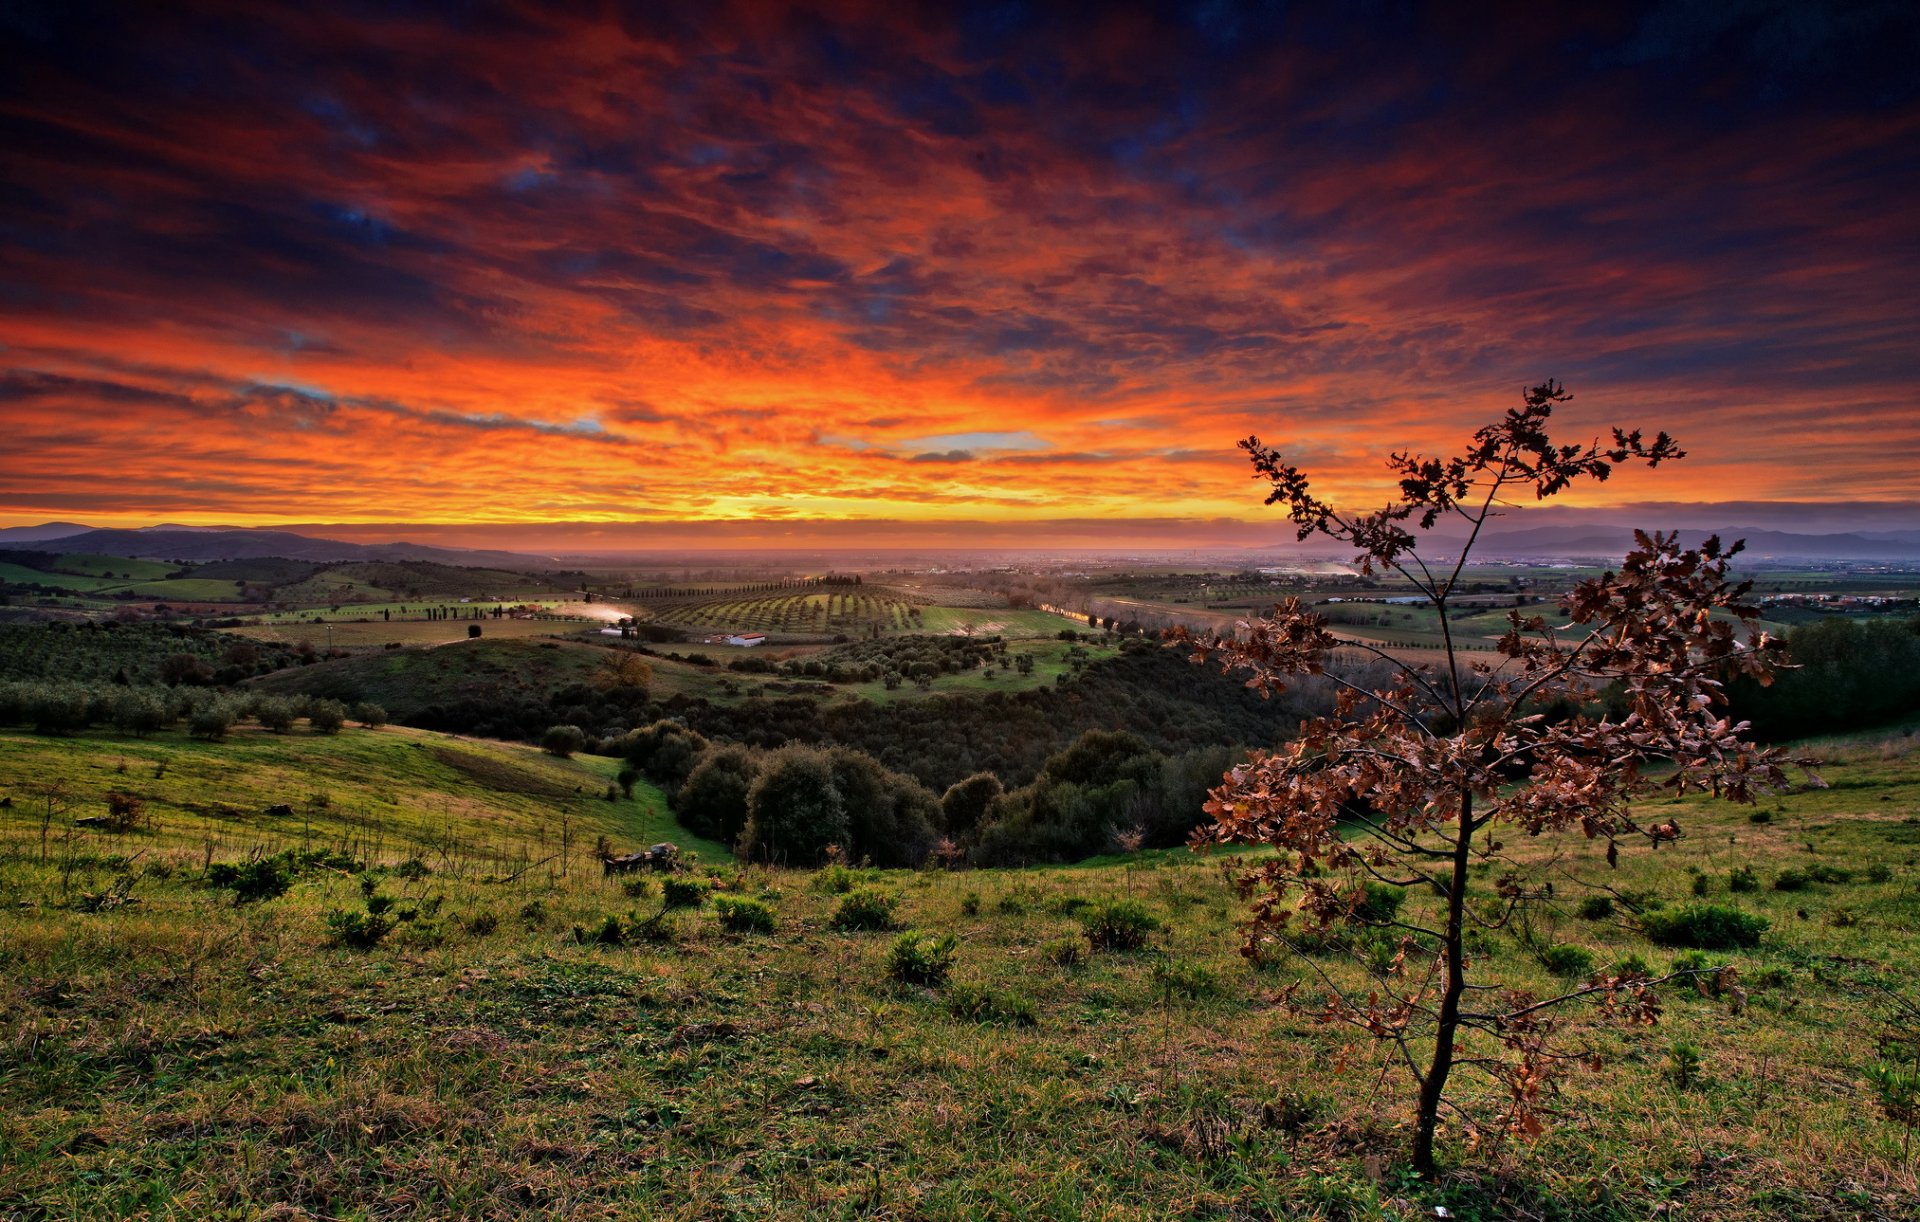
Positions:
(534, 913)
(970, 903)
(1011, 905)
(740, 914)
(1879, 873)
(1569, 961)
(1701, 885)
(865, 909)
(361, 930)
(1743, 879)
(684, 892)
(834, 879)
(984, 1005)
(1065, 952)
(480, 924)
(1173, 979)
(1118, 925)
(412, 869)
(1596, 907)
(1710, 926)
(609, 933)
(1832, 876)
(1630, 967)
(1378, 903)
(1760, 816)
(262, 878)
(921, 958)
(1898, 1089)
(1792, 880)
(1843, 918)
(1683, 1064)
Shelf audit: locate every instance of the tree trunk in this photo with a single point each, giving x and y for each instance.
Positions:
(1433, 1086)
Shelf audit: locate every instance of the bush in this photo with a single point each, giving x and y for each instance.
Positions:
(1118, 925)
(970, 903)
(1830, 875)
(919, 958)
(480, 924)
(1172, 979)
(1629, 967)
(738, 914)
(370, 715)
(326, 716)
(1792, 880)
(1379, 903)
(984, 1005)
(563, 741)
(1596, 907)
(359, 930)
(1743, 879)
(1711, 926)
(263, 878)
(835, 879)
(684, 892)
(211, 720)
(1064, 952)
(865, 909)
(1572, 962)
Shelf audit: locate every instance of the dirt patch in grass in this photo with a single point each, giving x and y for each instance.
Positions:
(501, 776)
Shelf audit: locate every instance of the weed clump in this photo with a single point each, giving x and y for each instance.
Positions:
(740, 914)
(1571, 962)
(1118, 925)
(684, 892)
(1189, 981)
(1709, 926)
(1596, 907)
(262, 878)
(865, 909)
(1065, 952)
(1743, 879)
(983, 1005)
(360, 929)
(921, 958)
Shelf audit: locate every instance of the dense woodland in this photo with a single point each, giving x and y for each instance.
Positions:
(1119, 755)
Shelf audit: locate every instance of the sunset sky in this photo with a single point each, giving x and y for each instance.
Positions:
(478, 264)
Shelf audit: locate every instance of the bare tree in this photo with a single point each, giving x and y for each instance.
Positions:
(1412, 781)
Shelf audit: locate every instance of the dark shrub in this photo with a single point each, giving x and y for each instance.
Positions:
(865, 909)
(263, 878)
(739, 914)
(1573, 962)
(1710, 926)
(684, 892)
(1596, 907)
(359, 930)
(919, 958)
(563, 741)
(984, 1005)
(1118, 925)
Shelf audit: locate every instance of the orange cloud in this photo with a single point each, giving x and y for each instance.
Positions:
(783, 264)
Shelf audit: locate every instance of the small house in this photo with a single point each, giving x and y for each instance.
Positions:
(747, 638)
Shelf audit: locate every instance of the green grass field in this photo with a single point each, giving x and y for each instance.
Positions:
(122, 567)
(181, 1056)
(385, 792)
(376, 634)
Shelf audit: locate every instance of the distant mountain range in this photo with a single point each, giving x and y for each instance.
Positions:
(1614, 540)
(1569, 541)
(198, 543)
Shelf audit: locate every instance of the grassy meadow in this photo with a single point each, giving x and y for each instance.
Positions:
(526, 1041)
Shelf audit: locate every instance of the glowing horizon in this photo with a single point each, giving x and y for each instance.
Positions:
(832, 263)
